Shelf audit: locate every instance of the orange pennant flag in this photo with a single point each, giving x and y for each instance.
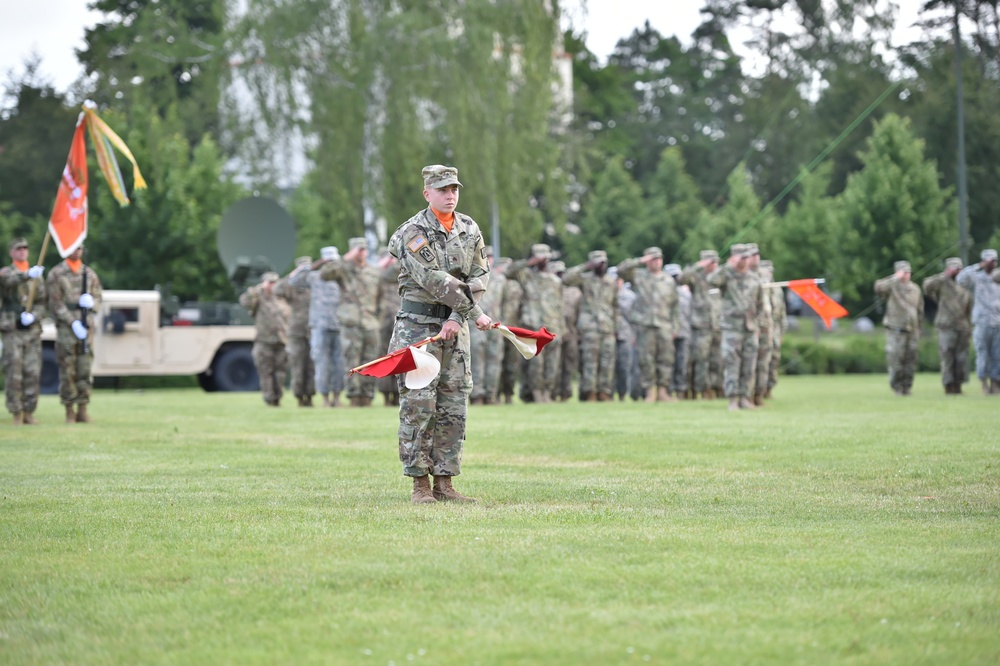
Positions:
(68, 224)
(827, 308)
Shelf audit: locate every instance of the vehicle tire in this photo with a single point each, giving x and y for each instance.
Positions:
(206, 380)
(234, 370)
(49, 379)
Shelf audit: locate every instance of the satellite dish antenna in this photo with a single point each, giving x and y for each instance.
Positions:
(255, 235)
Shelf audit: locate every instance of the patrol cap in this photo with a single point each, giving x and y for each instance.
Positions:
(439, 175)
(672, 269)
(988, 255)
(902, 266)
(738, 250)
(752, 249)
(269, 276)
(597, 255)
(541, 250)
(710, 255)
(18, 242)
(303, 261)
(953, 262)
(654, 252)
(357, 243)
(557, 267)
(328, 252)
(767, 263)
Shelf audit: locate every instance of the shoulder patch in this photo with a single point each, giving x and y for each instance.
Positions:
(417, 243)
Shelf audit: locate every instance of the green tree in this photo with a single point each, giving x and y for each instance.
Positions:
(739, 219)
(806, 238)
(613, 208)
(894, 208)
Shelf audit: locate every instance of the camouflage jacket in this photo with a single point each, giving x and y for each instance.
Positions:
(542, 304)
(64, 288)
(953, 300)
(299, 299)
(656, 296)
(513, 294)
(14, 289)
(764, 315)
(388, 298)
(684, 311)
(703, 315)
(439, 267)
(985, 294)
(359, 292)
(904, 308)
(740, 297)
(271, 314)
(598, 301)
(571, 308)
(324, 299)
(779, 311)
(492, 300)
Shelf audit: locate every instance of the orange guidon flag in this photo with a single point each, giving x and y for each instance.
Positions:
(827, 308)
(68, 224)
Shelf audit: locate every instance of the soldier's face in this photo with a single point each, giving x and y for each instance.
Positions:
(19, 253)
(443, 200)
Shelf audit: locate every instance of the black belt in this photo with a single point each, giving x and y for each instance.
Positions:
(425, 309)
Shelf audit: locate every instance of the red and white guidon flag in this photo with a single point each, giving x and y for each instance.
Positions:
(420, 366)
(529, 343)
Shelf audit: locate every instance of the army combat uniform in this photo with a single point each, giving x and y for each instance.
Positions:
(903, 314)
(740, 295)
(442, 276)
(953, 322)
(596, 327)
(22, 346)
(541, 306)
(487, 346)
(75, 356)
(271, 315)
(300, 364)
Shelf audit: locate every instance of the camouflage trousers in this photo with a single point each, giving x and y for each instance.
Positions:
(597, 362)
(715, 360)
(679, 381)
(386, 384)
(487, 360)
(569, 365)
(901, 357)
(777, 337)
(987, 341)
(328, 360)
(510, 370)
(360, 346)
(22, 369)
(628, 375)
(271, 360)
(764, 351)
(739, 358)
(75, 381)
(953, 351)
(300, 366)
(432, 419)
(699, 357)
(656, 356)
(541, 374)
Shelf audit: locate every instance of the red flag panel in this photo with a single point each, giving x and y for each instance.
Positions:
(68, 224)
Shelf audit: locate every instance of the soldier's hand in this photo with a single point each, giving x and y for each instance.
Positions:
(86, 301)
(483, 322)
(79, 330)
(734, 261)
(36, 272)
(450, 329)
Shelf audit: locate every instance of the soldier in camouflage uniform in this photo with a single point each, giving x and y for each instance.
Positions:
(388, 306)
(443, 274)
(764, 317)
(324, 329)
(596, 325)
(904, 313)
(704, 323)
(300, 363)
(983, 280)
(570, 361)
(680, 385)
(510, 367)
(74, 293)
(740, 294)
(715, 359)
(953, 322)
(779, 324)
(542, 306)
(359, 291)
(655, 319)
(488, 347)
(21, 330)
(271, 315)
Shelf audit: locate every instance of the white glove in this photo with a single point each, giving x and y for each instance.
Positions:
(36, 272)
(86, 301)
(79, 330)
(27, 319)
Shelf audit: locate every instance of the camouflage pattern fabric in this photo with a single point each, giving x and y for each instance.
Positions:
(903, 314)
(327, 351)
(271, 315)
(271, 360)
(541, 305)
(739, 360)
(681, 379)
(300, 364)
(901, 357)
(360, 287)
(655, 317)
(22, 347)
(953, 351)
(388, 306)
(510, 368)
(779, 324)
(596, 326)
(437, 268)
(953, 322)
(699, 356)
(75, 359)
(740, 299)
(488, 346)
(569, 365)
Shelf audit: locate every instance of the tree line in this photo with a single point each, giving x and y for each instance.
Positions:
(830, 146)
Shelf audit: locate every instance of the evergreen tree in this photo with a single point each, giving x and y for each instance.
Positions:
(614, 207)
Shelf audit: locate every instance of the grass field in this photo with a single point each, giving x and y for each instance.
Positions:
(839, 525)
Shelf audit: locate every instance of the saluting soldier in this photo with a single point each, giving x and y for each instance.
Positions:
(740, 294)
(953, 322)
(443, 274)
(271, 315)
(704, 323)
(542, 306)
(904, 312)
(74, 292)
(596, 325)
(300, 364)
(21, 329)
(487, 348)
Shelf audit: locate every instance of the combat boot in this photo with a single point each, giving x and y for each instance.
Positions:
(604, 397)
(355, 401)
(301, 400)
(422, 493)
(651, 394)
(81, 413)
(662, 395)
(956, 389)
(29, 419)
(734, 405)
(767, 394)
(746, 403)
(444, 492)
(707, 394)
(70, 414)
(986, 386)
(994, 387)
(336, 399)
(309, 401)
(326, 400)
(758, 399)
(18, 418)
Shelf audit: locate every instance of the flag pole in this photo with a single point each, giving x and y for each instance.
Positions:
(786, 283)
(382, 358)
(41, 260)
